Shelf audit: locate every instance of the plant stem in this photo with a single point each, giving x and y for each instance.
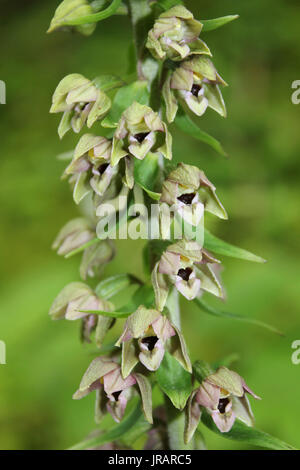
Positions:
(175, 418)
(141, 17)
(176, 422)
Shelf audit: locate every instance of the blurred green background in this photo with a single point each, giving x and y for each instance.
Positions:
(259, 185)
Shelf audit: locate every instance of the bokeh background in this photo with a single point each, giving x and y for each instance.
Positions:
(259, 185)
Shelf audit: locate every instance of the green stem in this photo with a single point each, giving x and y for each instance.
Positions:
(111, 10)
(175, 418)
(176, 422)
(141, 18)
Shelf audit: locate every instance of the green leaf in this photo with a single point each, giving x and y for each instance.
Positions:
(202, 370)
(227, 361)
(113, 434)
(116, 314)
(220, 247)
(242, 432)
(220, 313)
(108, 82)
(146, 172)
(82, 248)
(144, 295)
(174, 381)
(210, 25)
(185, 124)
(125, 96)
(115, 284)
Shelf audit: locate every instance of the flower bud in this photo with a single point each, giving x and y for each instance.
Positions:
(175, 35)
(81, 102)
(73, 235)
(70, 10)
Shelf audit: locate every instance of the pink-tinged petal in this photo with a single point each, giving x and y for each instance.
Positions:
(248, 390)
(163, 328)
(77, 307)
(117, 404)
(208, 395)
(242, 410)
(224, 422)
(169, 263)
(152, 359)
(193, 415)
(189, 289)
(114, 382)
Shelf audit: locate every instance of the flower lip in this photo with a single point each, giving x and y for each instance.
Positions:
(195, 89)
(186, 198)
(150, 342)
(140, 137)
(116, 395)
(223, 402)
(185, 273)
(102, 168)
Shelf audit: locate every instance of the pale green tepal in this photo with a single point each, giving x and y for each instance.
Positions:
(195, 83)
(81, 101)
(70, 10)
(175, 35)
(140, 131)
(146, 336)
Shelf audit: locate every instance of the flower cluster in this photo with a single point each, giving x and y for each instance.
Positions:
(127, 155)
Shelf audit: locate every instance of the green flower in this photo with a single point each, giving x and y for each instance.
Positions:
(90, 169)
(188, 267)
(140, 130)
(81, 102)
(112, 390)
(70, 10)
(146, 337)
(223, 395)
(196, 83)
(189, 192)
(175, 35)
